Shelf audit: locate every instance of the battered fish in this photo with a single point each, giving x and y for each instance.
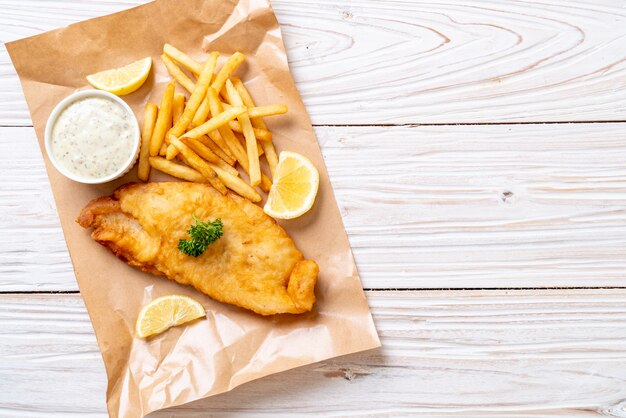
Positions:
(254, 265)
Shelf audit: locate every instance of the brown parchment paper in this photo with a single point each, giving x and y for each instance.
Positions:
(232, 346)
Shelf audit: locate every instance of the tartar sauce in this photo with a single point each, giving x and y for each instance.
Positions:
(93, 137)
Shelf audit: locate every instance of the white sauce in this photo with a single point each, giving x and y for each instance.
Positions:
(93, 137)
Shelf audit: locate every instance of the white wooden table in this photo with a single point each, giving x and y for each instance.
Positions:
(478, 152)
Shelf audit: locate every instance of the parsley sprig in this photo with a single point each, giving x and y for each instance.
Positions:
(202, 235)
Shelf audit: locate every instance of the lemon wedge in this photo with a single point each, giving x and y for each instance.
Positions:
(165, 312)
(293, 192)
(124, 80)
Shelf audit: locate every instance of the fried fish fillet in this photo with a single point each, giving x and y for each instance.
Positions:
(254, 265)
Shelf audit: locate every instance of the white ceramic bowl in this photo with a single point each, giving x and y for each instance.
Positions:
(124, 168)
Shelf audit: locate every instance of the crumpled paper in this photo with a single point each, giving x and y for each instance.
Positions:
(232, 346)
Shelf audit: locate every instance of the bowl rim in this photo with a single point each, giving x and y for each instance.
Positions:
(61, 106)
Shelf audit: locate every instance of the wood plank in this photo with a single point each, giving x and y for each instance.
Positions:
(424, 207)
(370, 62)
(445, 353)
(33, 255)
(482, 206)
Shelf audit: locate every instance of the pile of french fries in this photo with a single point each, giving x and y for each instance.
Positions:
(204, 137)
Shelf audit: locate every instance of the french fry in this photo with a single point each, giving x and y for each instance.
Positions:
(261, 134)
(202, 114)
(205, 152)
(183, 59)
(149, 119)
(227, 69)
(218, 140)
(248, 132)
(202, 150)
(261, 111)
(224, 94)
(196, 98)
(216, 122)
(235, 146)
(164, 118)
(226, 133)
(215, 135)
(198, 164)
(237, 184)
(171, 152)
(175, 117)
(178, 74)
(258, 123)
(232, 142)
(266, 183)
(242, 141)
(194, 102)
(176, 170)
(166, 142)
(178, 105)
(216, 149)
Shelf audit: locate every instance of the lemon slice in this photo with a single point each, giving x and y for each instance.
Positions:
(124, 80)
(293, 192)
(166, 312)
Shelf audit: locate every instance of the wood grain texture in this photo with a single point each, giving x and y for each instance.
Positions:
(445, 353)
(483, 206)
(414, 61)
(424, 207)
(33, 255)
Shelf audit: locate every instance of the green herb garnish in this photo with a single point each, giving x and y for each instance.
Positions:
(202, 235)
